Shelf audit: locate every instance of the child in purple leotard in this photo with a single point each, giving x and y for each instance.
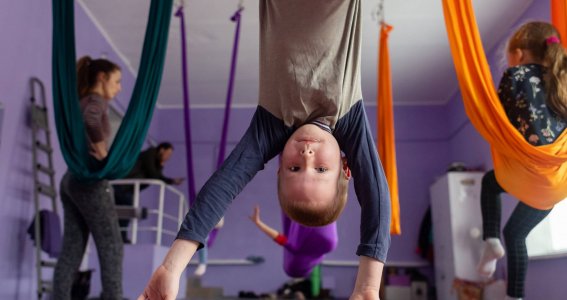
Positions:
(304, 247)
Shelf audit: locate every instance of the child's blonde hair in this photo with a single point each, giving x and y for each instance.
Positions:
(542, 40)
(306, 214)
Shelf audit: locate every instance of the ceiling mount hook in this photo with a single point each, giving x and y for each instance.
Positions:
(378, 13)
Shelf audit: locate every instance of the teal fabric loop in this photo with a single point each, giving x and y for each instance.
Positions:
(69, 122)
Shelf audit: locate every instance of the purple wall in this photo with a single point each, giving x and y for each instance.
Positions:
(26, 51)
(25, 54)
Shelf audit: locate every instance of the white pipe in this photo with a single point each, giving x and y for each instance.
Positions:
(160, 214)
(182, 208)
(180, 211)
(170, 217)
(225, 262)
(354, 263)
(136, 205)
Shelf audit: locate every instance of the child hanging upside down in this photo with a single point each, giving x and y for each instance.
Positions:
(304, 247)
(310, 108)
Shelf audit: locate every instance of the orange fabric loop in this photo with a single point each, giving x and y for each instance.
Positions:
(386, 142)
(536, 176)
(559, 18)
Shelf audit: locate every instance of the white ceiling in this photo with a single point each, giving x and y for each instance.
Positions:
(422, 67)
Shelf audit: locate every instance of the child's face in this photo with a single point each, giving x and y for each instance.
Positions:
(310, 166)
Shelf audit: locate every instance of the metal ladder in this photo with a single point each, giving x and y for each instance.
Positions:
(43, 175)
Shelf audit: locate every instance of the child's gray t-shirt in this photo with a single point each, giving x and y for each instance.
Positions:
(309, 59)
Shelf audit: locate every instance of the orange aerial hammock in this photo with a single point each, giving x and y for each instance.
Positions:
(559, 19)
(385, 122)
(536, 176)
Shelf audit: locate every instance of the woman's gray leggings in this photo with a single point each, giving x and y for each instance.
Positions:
(89, 208)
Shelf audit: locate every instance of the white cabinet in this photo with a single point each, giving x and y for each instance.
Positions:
(457, 229)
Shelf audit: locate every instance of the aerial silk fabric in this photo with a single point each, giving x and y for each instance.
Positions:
(559, 18)
(186, 103)
(186, 108)
(224, 135)
(132, 133)
(385, 121)
(536, 176)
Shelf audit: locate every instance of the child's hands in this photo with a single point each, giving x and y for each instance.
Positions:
(368, 279)
(162, 285)
(255, 217)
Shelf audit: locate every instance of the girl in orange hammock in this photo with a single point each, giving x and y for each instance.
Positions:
(533, 92)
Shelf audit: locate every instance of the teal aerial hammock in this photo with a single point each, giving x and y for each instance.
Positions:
(131, 135)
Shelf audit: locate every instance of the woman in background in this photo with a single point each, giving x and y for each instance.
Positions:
(89, 206)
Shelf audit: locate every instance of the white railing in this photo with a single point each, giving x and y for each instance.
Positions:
(354, 263)
(159, 212)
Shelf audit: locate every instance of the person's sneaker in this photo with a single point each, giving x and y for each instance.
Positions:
(201, 269)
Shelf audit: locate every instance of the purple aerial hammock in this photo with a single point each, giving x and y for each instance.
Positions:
(236, 17)
(222, 145)
(187, 120)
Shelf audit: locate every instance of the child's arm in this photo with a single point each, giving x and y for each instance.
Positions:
(164, 283)
(269, 231)
(255, 218)
(264, 139)
(355, 139)
(367, 286)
